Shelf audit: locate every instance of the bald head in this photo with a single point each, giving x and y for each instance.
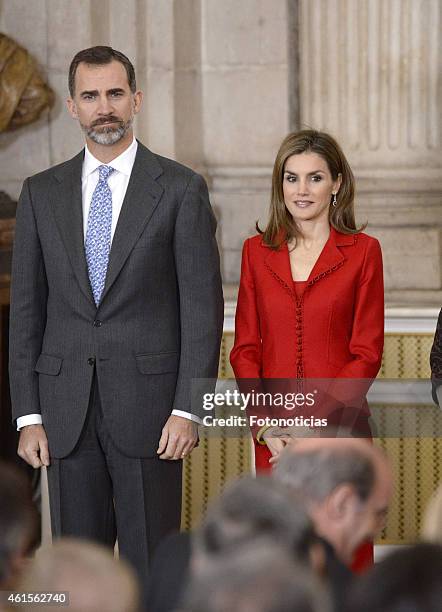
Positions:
(316, 466)
(345, 484)
(94, 580)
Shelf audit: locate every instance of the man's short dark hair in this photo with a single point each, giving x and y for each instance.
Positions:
(99, 56)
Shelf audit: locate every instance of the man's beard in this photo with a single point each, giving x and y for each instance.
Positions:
(108, 134)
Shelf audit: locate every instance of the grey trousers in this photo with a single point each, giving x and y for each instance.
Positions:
(100, 494)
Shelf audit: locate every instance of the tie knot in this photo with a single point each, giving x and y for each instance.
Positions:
(105, 171)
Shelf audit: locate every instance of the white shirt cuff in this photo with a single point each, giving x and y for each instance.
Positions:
(187, 415)
(439, 395)
(28, 419)
(35, 419)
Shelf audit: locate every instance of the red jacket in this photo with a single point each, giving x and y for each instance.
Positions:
(336, 330)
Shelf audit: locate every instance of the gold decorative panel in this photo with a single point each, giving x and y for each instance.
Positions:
(406, 356)
(206, 471)
(416, 463)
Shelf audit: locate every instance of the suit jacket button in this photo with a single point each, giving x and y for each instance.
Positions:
(97, 323)
(91, 361)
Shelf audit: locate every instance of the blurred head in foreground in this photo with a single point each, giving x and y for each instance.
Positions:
(96, 582)
(18, 523)
(252, 508)
(345, 485)
(260, 576)
(406, 580)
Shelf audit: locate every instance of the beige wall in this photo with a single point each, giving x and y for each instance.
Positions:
(225, 81)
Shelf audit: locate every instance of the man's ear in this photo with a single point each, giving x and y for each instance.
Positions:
(72, 108)
(138, 100)
(341, 502)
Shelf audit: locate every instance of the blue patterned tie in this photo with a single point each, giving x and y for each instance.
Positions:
(98, 233)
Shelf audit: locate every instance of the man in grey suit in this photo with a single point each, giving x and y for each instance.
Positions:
(116, 305)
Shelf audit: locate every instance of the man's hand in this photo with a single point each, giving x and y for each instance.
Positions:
(33, 446)
(178, 438)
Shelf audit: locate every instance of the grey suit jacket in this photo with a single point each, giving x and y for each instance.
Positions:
(158, 325)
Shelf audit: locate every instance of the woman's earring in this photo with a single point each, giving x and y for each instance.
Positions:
(334, 199)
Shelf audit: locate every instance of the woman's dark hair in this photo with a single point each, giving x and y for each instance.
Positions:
(281, 227)
(99, 56)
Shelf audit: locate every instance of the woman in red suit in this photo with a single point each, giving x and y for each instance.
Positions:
(311, 298)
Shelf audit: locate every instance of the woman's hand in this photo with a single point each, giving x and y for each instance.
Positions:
(282, 437)
(276, 439)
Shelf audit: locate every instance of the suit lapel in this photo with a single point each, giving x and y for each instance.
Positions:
(330, 259)
(142, 197)
(67, 206)
(278, 264)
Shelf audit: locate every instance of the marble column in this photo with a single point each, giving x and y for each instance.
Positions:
(246, 74)
(370, 75)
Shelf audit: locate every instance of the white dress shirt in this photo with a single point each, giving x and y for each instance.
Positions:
(118, 182)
